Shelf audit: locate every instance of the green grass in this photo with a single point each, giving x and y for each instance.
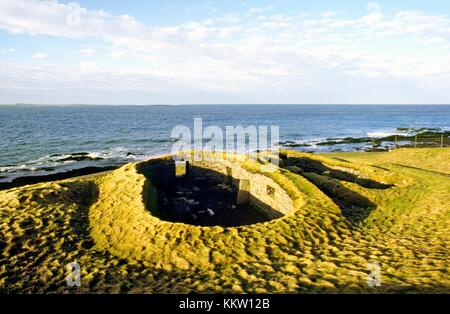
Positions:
(103, 224)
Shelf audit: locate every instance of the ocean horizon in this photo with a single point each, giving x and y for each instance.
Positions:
(46, 139)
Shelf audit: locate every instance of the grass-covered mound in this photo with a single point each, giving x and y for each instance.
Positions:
(351, 209)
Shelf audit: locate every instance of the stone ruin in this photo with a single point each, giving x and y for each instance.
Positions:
(211, 193)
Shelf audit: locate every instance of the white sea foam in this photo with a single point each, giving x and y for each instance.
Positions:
(380, 134)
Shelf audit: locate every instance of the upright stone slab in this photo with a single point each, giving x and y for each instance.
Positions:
(243, 196)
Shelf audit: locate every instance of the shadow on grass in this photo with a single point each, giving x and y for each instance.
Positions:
(318, 167)
(86, 195)
(354, 206)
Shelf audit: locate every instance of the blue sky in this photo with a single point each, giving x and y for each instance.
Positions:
(128, 52)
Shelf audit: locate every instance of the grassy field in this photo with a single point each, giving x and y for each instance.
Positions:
(352, 209)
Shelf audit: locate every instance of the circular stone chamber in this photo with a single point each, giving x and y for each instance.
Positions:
(214, 192)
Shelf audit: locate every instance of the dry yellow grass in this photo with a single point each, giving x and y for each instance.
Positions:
(102, 223)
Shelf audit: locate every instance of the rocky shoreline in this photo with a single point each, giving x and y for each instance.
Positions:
(405, 137)
(21, 181)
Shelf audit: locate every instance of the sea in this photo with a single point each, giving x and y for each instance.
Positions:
(39, 140)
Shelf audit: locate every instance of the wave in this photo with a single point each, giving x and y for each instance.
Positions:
(63, 162)
(381, 134)
(377, 140)
(115, 156)
(406, 131)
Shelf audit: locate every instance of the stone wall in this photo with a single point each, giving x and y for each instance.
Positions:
(160, 172)
(261, 191)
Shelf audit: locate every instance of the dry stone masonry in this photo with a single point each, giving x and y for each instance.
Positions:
(212, 192)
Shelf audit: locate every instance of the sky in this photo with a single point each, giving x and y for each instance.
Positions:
(225, 52)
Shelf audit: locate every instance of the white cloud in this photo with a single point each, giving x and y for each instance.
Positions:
(259, 10)
(88, 52)
(7, 50)
(251, 56)
(40, 55)
(230, 18)
(274, 21)
(435, 40)
(88, 66)
(117, 53)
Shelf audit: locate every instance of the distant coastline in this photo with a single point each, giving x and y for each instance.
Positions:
(229, 104)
